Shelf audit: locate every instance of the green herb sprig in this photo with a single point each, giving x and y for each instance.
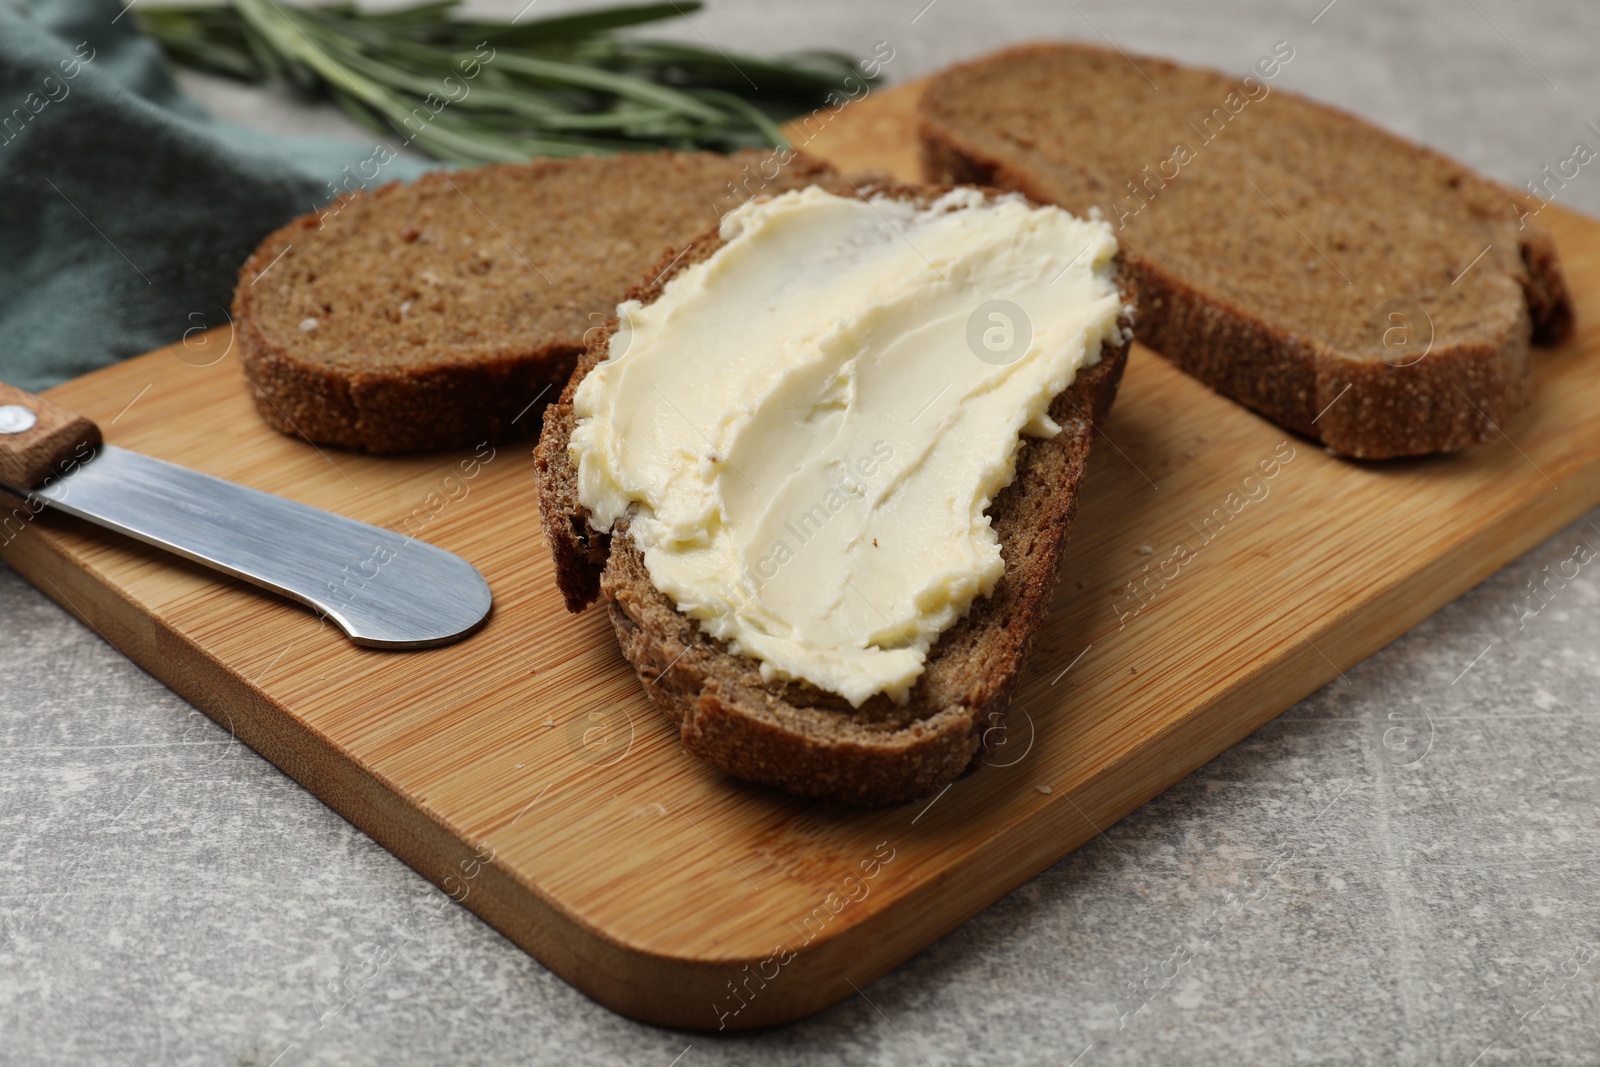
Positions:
(481, 92)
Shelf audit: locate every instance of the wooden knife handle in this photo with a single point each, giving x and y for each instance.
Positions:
(39, 439)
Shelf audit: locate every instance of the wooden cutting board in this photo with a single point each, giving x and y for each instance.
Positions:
(523, 771)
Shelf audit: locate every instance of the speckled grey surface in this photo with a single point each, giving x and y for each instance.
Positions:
(1401, 869)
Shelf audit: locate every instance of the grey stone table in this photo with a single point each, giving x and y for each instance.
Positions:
(169, 897)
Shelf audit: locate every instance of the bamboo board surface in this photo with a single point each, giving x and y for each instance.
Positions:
(524, 772)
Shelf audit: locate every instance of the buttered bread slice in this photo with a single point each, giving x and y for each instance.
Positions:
(822, 471)
(1344, 282)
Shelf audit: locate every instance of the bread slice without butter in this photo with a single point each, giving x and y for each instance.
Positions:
(1344, 282)
(431, 315)
(795, 735)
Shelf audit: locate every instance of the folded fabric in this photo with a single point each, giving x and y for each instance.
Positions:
(125, 210)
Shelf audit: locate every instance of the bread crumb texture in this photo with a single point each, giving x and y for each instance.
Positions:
(449, 311)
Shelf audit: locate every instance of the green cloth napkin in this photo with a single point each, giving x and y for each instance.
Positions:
(125, 211)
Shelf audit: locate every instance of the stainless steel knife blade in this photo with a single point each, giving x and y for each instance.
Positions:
(384, 589)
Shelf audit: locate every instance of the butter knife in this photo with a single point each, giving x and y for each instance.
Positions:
(382, 588)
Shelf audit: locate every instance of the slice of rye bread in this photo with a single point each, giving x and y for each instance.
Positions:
(1273, 262)
(431, 315)
(791, 734)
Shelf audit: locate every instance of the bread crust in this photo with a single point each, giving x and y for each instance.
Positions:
(1455, 396)
(438, 394)
(792, 735)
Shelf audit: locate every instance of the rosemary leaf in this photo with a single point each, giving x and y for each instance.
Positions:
(469, 91)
